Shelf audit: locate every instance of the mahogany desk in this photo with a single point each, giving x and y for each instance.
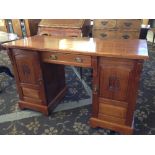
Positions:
(39, 61)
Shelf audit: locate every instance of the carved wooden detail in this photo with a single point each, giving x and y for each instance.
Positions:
(26, 70)
(114, 83)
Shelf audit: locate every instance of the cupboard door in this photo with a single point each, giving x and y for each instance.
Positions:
(28, 67)
(30, 76)
(115, 75)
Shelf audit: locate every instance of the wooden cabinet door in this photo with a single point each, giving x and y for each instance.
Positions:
(28, 67)
(29, 76)
(115, 77)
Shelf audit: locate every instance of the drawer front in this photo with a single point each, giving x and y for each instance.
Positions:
(104, 23)
(112, 110)
(60, 32)
(104, 34)
(111, 119)
(67, 59)
(32, 93)
(129, 24)
(128, 35)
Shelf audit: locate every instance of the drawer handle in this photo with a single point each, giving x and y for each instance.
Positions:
(127, 24)
(103, 35)
(40, 80)
(53, 57)
(104, 23)
(79, 60)
(95, 89)
(126, 36)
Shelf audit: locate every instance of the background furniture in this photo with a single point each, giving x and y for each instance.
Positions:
(116, 64)
(116, 28)
(3, 25)
(143, 32)
(64, 27)
(152, 29)
(21, 27)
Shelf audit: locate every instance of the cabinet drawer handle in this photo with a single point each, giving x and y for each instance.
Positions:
(126, 36)
(104, 22)
(127, 24)
(79, 60)
(53, 57)
(95, 89)
(40, 80)
(103, 35)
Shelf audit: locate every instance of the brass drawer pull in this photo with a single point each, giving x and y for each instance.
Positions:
(127, 24)
(103, 35)
(104, 22)
(126, 36)
(95, 89)
(53, 57)
(79, 60)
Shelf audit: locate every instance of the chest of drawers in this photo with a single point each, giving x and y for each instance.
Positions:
(116, 28)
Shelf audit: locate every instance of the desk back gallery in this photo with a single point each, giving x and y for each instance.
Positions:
(39, 61)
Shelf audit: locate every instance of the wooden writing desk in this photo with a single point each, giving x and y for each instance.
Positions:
(39, 62)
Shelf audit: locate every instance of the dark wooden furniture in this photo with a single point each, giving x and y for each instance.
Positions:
(117, 64)
(64, 27)
(117, 28)
(143, 32)
(152, 29)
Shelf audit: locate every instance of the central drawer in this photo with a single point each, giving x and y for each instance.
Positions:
(66, 59)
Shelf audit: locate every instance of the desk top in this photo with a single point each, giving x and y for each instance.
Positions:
(130, 49)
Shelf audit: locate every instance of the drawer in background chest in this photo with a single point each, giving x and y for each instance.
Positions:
(131, 24)
(127, 35)
(114, 34)
(104, 23)
(66, 59)
(104, 34)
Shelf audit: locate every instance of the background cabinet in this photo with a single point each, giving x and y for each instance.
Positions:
(116, 28)
(64, 27)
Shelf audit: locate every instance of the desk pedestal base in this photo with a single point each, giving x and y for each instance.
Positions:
(94, 122)
(43, 108)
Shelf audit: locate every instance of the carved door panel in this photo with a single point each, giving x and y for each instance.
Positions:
(28, 67)
(29, 76)
(114, 79)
